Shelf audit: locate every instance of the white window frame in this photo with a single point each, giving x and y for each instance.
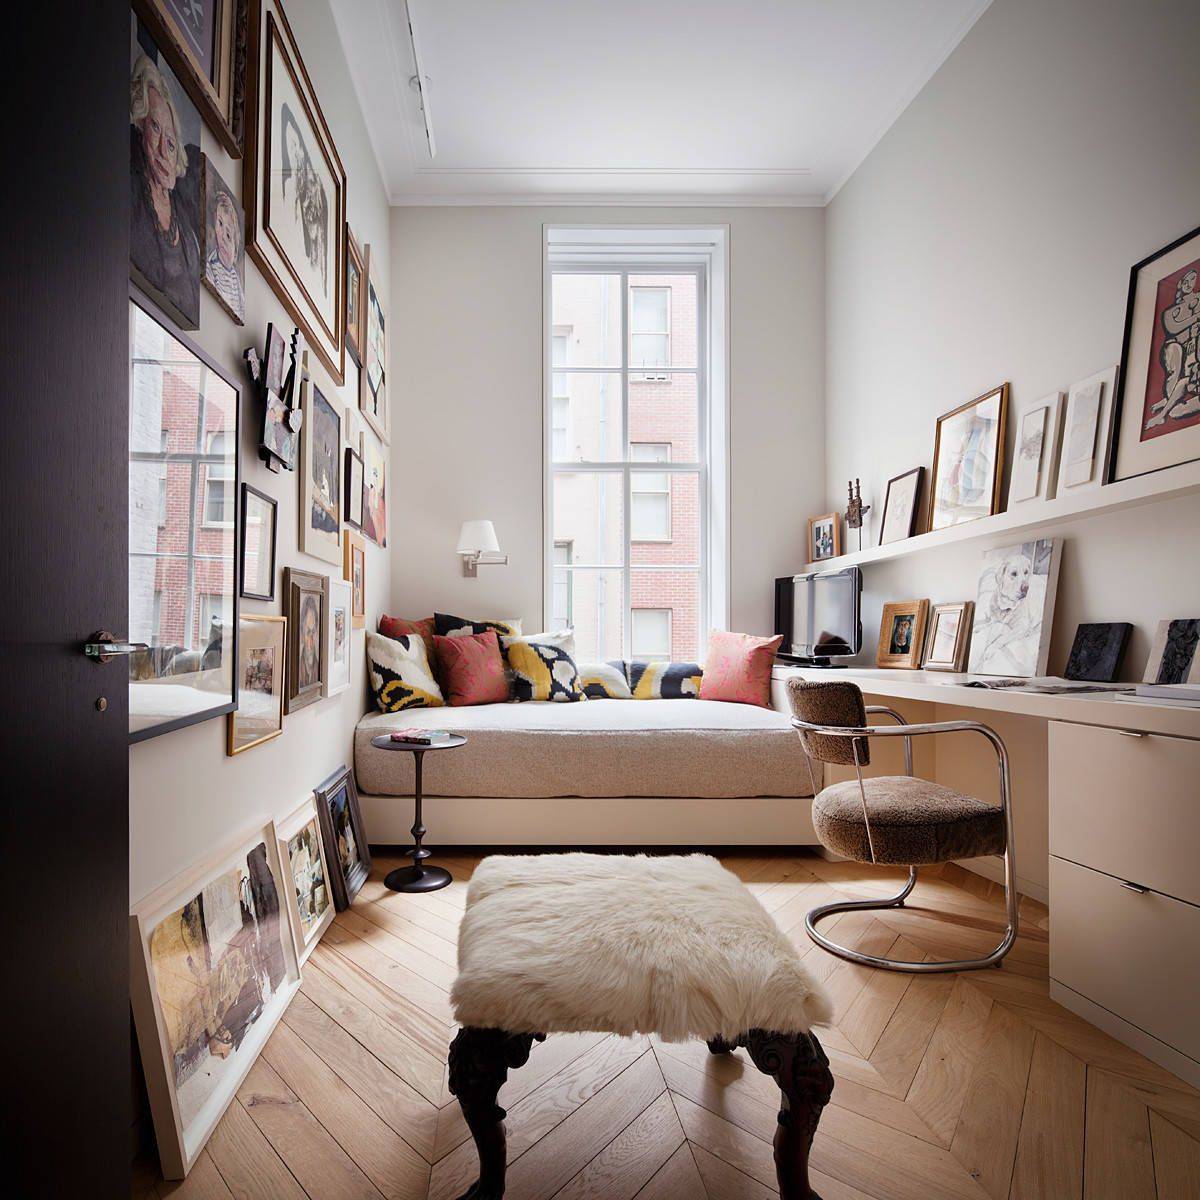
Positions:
(666, 656)
(210, 461)
(665, 491)
(661, 374)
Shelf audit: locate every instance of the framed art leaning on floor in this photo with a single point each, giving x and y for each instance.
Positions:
(345, 839)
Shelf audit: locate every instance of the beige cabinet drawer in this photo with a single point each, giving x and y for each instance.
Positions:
(1129, 806)
(1132, 953)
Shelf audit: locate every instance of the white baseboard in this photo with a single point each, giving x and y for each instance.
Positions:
(993, 868)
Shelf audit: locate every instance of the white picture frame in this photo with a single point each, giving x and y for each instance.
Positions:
(1037, 425)
(309, 913)
(199, 903)
(1014, 609)
(321, 462)
(338, 626)
(1087, 433)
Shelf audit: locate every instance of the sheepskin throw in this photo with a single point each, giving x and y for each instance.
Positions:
(567, 943)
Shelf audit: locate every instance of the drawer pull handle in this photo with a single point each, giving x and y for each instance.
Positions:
(1134, 887)
(1130, 733)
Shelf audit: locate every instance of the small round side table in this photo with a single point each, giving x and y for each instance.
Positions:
(417, 878)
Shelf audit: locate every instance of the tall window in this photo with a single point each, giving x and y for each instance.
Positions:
(628, 485)
(218, 482)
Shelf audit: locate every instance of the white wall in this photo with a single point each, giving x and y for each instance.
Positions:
(185, 795)
(467, 414)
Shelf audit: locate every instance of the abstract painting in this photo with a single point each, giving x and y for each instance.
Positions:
(967, 460)
(1173, 657)
(1096, 652)
(301, 849)
(1014, 609)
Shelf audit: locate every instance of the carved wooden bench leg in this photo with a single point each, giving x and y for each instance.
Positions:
(480, 1060)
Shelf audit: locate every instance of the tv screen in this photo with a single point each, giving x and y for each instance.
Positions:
(824, 618)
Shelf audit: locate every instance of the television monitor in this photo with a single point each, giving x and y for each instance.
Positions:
(819, 615)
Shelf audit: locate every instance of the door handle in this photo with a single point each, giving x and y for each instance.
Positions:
(1134, 887)
(102, 647)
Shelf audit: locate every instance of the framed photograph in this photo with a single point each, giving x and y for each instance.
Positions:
(900, 506)
(320, 476)
(343, 835)
(213, 967)
(354, 569)
(1087, 433)
(1097, 651)
(205, 43)
(372, 380)
(259, 714)
(276, 356)
(356, 299)
(165, 168)
(337, 636)
(1173, 657)
(968, 454)
(183, 528)
(949, 636)
(824, 537)
(1158, 404)
(310, 901)
(259, 514)
(306, 603)
(223, 243)
(902, 634)
(294, 188)
(374, 523)
(1035, 455)
(353, 511)
(1014, 610)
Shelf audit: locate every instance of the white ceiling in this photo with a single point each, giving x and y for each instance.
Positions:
(662, 101)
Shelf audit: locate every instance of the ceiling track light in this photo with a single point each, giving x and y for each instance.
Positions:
(420, 81)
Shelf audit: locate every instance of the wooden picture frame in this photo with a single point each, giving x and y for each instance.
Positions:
(247, 725)
(824, 537)
(949, 503)
(307, 667)
(354, 569)
(949, 636)
(320, 475)
(310, 898)
(172, 927)
(901, 502)
(902, 634)
(252, 498)
(373, 378)
(338, 625)
(343, 834)
(356, 298)
(219, 92)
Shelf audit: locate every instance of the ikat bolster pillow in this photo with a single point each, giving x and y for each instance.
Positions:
(399, 674)
(473, 669)
(542, 666)
(605, 681)
(395, 627)
(738, 668)
(448, 626)
(664, 680)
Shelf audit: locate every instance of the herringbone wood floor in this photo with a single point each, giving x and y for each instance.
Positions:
(947, 1086)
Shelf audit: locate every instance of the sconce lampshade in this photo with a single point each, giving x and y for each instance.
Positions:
(477, 537)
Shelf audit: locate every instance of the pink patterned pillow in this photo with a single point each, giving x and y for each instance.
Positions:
(472, 669)
(738, 668)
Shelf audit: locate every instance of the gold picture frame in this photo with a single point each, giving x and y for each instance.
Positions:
(306, 865)
(969, 440)
(948, 637)
(824, 537)
(258, 635)
(902, 634)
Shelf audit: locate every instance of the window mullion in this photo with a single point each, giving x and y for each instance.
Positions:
(626, 489)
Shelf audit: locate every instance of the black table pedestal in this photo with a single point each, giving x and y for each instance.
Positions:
(418, 877)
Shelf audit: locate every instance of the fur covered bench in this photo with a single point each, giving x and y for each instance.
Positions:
(675, 946)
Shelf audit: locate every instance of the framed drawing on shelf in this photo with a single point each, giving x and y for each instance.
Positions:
(259, 515)
(948, 637)
(824, 537)
(306, 604)
(900, 506)
(356, 298)
(337, 636)
(354, 569)
(1014, 609)
(902, 634)
(294, 188)
(968, 460)
(320, 476)
(258, 717)
(1035, 456)
(1087, 433)
(213, 968)
(1158, 404)
(372, 380)
(310, 901)
(344, 837)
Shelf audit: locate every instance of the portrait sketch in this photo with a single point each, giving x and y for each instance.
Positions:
(224, 245)
(1014, 609)
(306, 599)
(325, 466)
(1173, 654)
(309, 665)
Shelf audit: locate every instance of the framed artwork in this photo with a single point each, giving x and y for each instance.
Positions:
(343, 835)
(223, 242)
(1173, 657)
(1097, 651)
(337, 636)
(320, 476)
(356, 299)
(310, 901)
(374, 523)
(165, 170)
(1035, 455)
(968, 452)
(372, 380)
(354, 569)
(205, 43)
(1014, 609)
(353, 474)
(902, 634)
(306, 600)
(900, 506)
(213, 968)
(294, 188)
(824, 537)
(276, 353)
(1087, 433)
(259, 513)
(1158, 405)
(259, 714)
(948, 637)
(183, 528)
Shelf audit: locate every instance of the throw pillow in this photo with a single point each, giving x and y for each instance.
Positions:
(542, 666)
(395, 627)
(399, 674)
(605, 681)
(664, 680)
(447, 626)
(472, 669)
(738, 668)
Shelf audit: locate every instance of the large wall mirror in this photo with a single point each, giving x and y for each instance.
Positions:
(183, 515)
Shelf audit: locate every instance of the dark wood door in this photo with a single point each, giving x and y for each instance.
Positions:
(64, 245)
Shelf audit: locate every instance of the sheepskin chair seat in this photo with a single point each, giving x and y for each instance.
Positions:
(626, 944)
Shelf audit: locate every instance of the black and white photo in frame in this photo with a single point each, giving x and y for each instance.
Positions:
(1014, 609)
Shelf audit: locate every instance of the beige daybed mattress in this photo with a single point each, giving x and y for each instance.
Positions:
(702, 748)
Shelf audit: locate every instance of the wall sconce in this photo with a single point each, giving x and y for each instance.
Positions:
(477, 544)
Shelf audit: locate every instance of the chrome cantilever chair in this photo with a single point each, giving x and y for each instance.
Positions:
(896, 819)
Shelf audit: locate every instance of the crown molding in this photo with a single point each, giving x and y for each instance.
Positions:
(599, 200)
